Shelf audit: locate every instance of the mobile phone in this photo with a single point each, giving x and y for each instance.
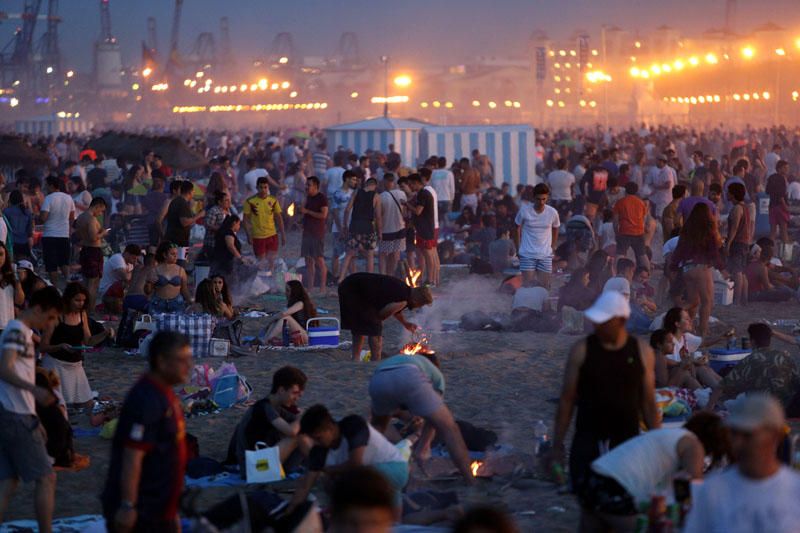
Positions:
(682, 488)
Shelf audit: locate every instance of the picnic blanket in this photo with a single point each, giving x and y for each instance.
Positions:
(320, 348)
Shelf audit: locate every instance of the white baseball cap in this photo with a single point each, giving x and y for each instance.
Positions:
(758, 410)
(24, 263)
(610, 304)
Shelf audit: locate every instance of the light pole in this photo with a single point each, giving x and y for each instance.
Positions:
(385, 61)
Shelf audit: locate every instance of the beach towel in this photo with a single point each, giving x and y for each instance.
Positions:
(88, 523)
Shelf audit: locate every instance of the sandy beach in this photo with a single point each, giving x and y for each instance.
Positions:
(496, 380)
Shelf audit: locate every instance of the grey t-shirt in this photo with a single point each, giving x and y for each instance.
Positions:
(391, 216)
(500, 253)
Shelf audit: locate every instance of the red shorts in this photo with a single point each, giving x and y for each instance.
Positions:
(262, 247)
(116, 290)
(778, 215)
(425, 244)
(91, 260)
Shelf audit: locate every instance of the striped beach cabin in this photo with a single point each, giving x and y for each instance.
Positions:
(53, 125)
(511, 148)
(378, 134)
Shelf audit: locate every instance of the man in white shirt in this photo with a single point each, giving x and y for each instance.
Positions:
(117, 273)
(58, 214)
(393, 240)
(772, 158)
(757, 493)
(538, 225)
(444, 184)
(251, 178)
(664, 180)
(23, 451)
(562, 187)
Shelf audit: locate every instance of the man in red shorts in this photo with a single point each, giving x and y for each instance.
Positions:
(422, 208)
(262, 215)
(90, 233)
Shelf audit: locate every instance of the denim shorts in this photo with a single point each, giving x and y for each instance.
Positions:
(23, 450)
(160, 305)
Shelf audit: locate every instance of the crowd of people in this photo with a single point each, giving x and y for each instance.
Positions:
(108, 238)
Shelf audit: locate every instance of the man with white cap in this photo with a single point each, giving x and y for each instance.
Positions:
(610, 377)
(758, 493)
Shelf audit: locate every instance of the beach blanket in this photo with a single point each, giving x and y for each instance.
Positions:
(88, 523)
(319, 348)
(225, 479)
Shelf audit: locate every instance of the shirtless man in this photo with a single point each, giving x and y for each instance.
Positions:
(91, 235)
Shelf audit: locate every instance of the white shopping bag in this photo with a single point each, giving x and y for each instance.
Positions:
(263, 465)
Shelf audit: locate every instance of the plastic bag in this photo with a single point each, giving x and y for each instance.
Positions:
(203, 375)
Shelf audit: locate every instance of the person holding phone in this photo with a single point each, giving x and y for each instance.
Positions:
(90, 234)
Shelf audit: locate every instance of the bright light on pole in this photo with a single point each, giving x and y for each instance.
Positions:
(402, 80)
(147, 71)
(748, 52)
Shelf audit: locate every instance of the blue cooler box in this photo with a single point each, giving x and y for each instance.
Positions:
(721, 359)
(323, 335)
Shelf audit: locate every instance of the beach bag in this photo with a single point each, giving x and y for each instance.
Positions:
(230, 330)
(243, 389)
(132, 327)
(263, 465)
(198, 328)
(202, 376)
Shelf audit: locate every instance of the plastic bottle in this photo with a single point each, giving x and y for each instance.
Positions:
(542, 444)
(285, 333)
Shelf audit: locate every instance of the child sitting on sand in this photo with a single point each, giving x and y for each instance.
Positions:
(668, 372)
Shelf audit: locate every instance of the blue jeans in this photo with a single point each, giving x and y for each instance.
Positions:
(160, 305)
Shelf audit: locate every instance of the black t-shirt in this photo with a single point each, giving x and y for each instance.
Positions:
(353, 429)
(595, 182)
(222, 255)
(776, 189)
(424, 222)
(176, 233)
(315, 227)
(256, 426)
(151, 420)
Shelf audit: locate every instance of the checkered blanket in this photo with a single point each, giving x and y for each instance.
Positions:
(198, 328)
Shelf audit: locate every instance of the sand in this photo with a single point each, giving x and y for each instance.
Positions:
(500, 381)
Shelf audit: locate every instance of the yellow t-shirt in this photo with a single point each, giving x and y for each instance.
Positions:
(260, 212)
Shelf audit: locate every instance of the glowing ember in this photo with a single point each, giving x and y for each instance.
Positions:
(475, 466)
(413, 277)
(290, 210)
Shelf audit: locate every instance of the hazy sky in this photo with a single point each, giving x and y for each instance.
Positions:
(409, 30)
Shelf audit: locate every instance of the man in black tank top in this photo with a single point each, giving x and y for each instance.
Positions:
(366, 225)
(610, 376)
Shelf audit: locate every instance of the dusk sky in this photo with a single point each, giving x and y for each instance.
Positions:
(434, 30)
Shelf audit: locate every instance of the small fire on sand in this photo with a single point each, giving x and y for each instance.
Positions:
(475, 466)
(290, 210)
(412, 277)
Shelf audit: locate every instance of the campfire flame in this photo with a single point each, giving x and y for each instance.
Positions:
(290, 210)
(412, 349)
(475, 466)
(412, 277)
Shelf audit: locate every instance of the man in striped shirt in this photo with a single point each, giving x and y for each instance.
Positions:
(322, 161)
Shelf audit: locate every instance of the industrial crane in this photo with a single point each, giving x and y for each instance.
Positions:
(16, 58)
(173, 63)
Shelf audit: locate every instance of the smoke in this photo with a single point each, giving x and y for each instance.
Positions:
(473, 293)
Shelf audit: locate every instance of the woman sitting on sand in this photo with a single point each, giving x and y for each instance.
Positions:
(64, 344)
(299, 308)
(170, 287)
(205, 301)
(679, 324)
(222, 294)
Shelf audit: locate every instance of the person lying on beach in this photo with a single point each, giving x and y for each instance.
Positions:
(347, 443)
(415, 384)
(273, 420)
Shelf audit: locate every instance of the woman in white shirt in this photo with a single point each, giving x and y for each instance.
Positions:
(645, 466)
(678, 322)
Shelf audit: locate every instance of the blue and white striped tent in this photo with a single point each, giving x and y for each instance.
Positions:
(511, 148)
(53, 125)
(378, 134)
